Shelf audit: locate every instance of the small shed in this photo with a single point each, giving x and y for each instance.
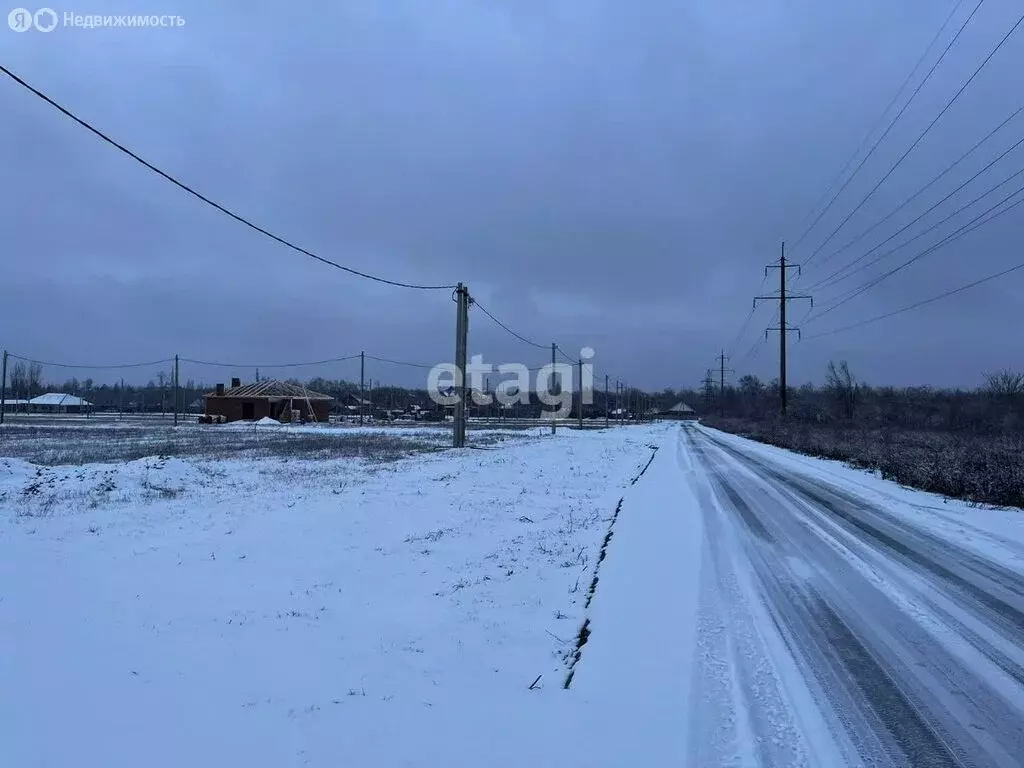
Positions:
(266, 399)
(59, 402)
(679, 411)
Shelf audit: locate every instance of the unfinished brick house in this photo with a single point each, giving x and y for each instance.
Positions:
(278, 400)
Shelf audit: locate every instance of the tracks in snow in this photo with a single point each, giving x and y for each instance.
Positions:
(584, 632)
(833, 632)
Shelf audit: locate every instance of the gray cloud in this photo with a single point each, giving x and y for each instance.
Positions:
(600, 174)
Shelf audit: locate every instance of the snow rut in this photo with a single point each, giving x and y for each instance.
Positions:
(909, 648)
(584, 633)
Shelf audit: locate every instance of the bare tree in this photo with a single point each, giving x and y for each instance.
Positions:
(1005, 383)
(840, 382)
(34, 380)
(19, 380)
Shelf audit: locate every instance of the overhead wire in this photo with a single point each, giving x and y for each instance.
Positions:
(505, 328)
(970, 226)
(918, 140)
(747, 319)
(881, 138)
(398, 362)
(276, 365)
(91, 367)
(838, 276)
(915, 305)
(223, 209)
(923, 189)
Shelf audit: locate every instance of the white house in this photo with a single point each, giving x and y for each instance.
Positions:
(59, 402)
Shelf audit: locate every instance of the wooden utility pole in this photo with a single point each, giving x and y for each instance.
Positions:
(581, 393)
(461, 337)
(554, 348)
(175, 390)
(606, 401)
(3, 389)
(783, 329)
(362, 385)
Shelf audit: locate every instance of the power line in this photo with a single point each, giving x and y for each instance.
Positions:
(923, 189)
(508, 330)
(563, 354)
(920, 137)
(208, 201)
(520, 336)
(277, 365)
(92, 367)
(759, 342)
(748, 318)
(838, 277)
(901, 310)
(750, 353)
(397, 362)
(955, 235)
(886, 110)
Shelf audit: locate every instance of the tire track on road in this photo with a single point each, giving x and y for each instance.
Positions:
(852, 637)
(1000, 589)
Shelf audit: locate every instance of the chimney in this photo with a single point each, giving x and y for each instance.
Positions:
(220, 390)
(236, 383)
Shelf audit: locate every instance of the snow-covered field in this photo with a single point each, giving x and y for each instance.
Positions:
(274, 611)
(76, 441)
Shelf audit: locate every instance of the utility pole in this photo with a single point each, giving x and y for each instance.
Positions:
(362, 385)
(554, 348)
(3, 389)
(461, 336)
(175, 390)
(709, 388)
(580, 414)
(783, 329)
(721, 382)
(120, 400)
(606, 401)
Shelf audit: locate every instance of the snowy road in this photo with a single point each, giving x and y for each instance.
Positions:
(835, 629)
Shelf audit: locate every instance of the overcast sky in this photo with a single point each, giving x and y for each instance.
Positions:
(603, 173)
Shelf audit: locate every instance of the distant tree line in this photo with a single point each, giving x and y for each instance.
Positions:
(962, 443)
(996, 408)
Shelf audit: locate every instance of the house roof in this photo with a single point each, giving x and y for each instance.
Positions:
(58, 399)
(270, 388)
(680, 407)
